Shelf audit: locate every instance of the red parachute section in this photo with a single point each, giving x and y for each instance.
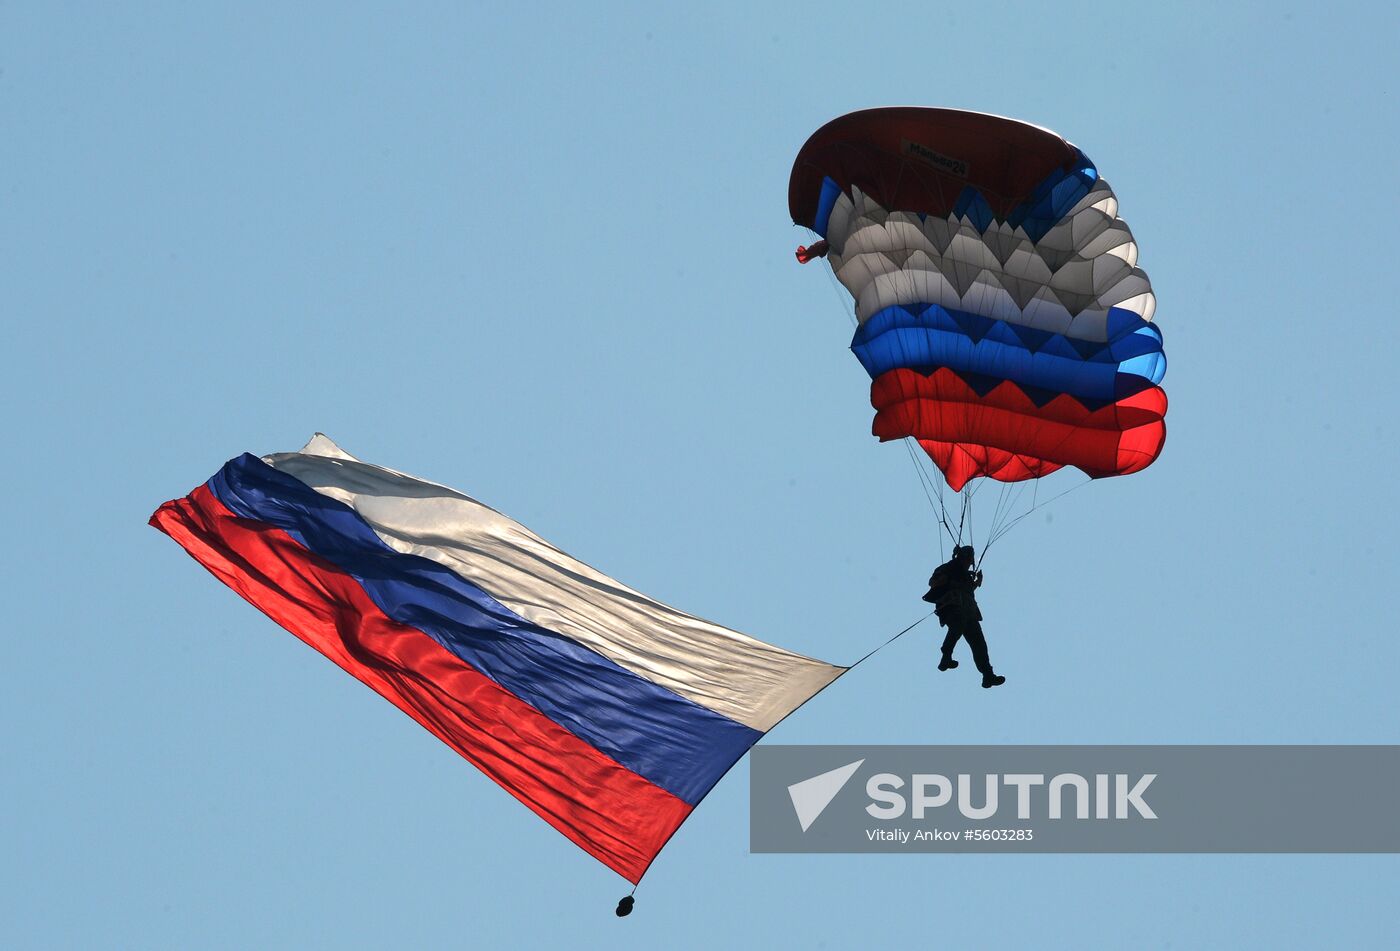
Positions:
(1004, 434)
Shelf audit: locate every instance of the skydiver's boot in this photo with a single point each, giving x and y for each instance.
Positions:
(947, 663)
(990, 679)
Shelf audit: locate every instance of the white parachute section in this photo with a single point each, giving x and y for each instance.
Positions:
(1065, 283)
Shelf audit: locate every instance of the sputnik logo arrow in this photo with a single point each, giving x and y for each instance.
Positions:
(811, 796)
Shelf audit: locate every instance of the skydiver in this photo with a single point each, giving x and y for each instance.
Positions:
(950, 591)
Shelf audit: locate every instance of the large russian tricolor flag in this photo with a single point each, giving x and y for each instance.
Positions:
(607, 713)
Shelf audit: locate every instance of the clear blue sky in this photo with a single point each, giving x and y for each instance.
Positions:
(542, 254)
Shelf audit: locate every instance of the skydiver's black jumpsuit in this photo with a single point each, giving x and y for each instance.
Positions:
(951, 592)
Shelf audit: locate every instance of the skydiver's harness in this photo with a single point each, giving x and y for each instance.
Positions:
(952, 595)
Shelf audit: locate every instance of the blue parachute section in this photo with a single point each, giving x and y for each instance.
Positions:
(1053, 198)
(928, 337)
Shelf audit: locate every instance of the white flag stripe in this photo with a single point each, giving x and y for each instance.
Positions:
(745, 679)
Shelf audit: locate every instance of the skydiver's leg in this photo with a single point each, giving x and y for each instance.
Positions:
(978, 643)
(949, 642)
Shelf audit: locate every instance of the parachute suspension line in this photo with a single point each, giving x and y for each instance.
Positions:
(969, 495)
(997, 510)
(1007, 504)
(941, 513)
(919, 471)
(1013, 498)
(939, 482)
(934, 475)
(996, 513)
(1012, 524)
(970, 512)
(930, 475)
(966, 498)
(971, 492)
(1035, 505)
(843, 297)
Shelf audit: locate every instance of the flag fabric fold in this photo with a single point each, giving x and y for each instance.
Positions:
(607, 713)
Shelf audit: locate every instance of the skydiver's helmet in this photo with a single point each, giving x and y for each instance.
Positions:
(963, 553)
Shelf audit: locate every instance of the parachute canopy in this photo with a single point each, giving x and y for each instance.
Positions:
(607, 713)
(1001, 313)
